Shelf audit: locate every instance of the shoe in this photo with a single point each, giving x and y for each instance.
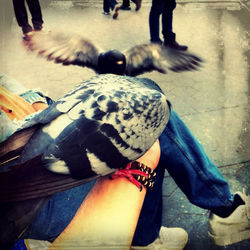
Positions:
(116, 11)
(137, 4)
(38, 28)
(106, 13)
(169, 238)
(158, 41)
(27, 36)
(174, 45)
(125, 7)
(26, 29)
(43, 31)
(234, 228)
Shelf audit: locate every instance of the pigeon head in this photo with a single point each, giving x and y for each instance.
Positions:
(112, 61)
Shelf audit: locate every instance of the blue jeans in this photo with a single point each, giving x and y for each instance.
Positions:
(186, 162)
(164, 8)
(191, 169)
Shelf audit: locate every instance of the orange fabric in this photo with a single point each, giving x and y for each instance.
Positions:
(17, 107)
(108, 216)
(14, 106)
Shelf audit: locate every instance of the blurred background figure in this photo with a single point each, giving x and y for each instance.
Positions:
(22, 16)
(110, 5)
(164, 8)
(126, 4)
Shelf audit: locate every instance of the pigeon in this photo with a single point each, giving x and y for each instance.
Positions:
(75, 50)
(98, 127)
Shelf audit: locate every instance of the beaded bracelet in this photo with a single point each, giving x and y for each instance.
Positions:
(148, 181)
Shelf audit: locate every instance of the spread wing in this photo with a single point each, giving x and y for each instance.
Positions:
(65, 48)
(148, 57)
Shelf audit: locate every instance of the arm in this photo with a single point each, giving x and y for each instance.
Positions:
(109, 214)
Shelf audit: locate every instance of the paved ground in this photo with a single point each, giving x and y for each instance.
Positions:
(214, 102)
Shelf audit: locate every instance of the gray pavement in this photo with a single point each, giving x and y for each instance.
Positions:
(213, 102)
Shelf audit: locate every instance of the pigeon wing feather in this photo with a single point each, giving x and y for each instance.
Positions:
(65, 48)
(148, 57)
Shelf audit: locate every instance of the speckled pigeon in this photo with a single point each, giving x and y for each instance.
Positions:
(98, 127)
(75, 50)
(101, 125)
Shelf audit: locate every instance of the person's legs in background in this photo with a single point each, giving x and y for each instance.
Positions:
(111, 5)
(36, 14)
(125, 5)
(22, 16)
(167, 26)
(137, 4)
(167, 20)
(106, 7)
(154, 20)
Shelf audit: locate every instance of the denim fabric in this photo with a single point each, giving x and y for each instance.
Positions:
(150, 220)
(187, 163)
(20, 245)
(164, 8)
(57, 213)
(198, 178)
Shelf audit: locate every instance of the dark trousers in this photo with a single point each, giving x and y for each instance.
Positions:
(109, 5)
(22, 16)
(125, 3)
(164, 8)
(150, 220)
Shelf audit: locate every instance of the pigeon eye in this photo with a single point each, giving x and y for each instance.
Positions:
(119, 62)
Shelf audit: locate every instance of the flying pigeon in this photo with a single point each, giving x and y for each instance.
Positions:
(99, 126)
(75, 50)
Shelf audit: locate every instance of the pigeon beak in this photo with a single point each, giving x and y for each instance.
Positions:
(119, 62)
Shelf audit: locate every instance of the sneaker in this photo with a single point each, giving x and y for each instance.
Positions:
(106, 13)
(234, 228)
(174, 45)
(169, 238)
